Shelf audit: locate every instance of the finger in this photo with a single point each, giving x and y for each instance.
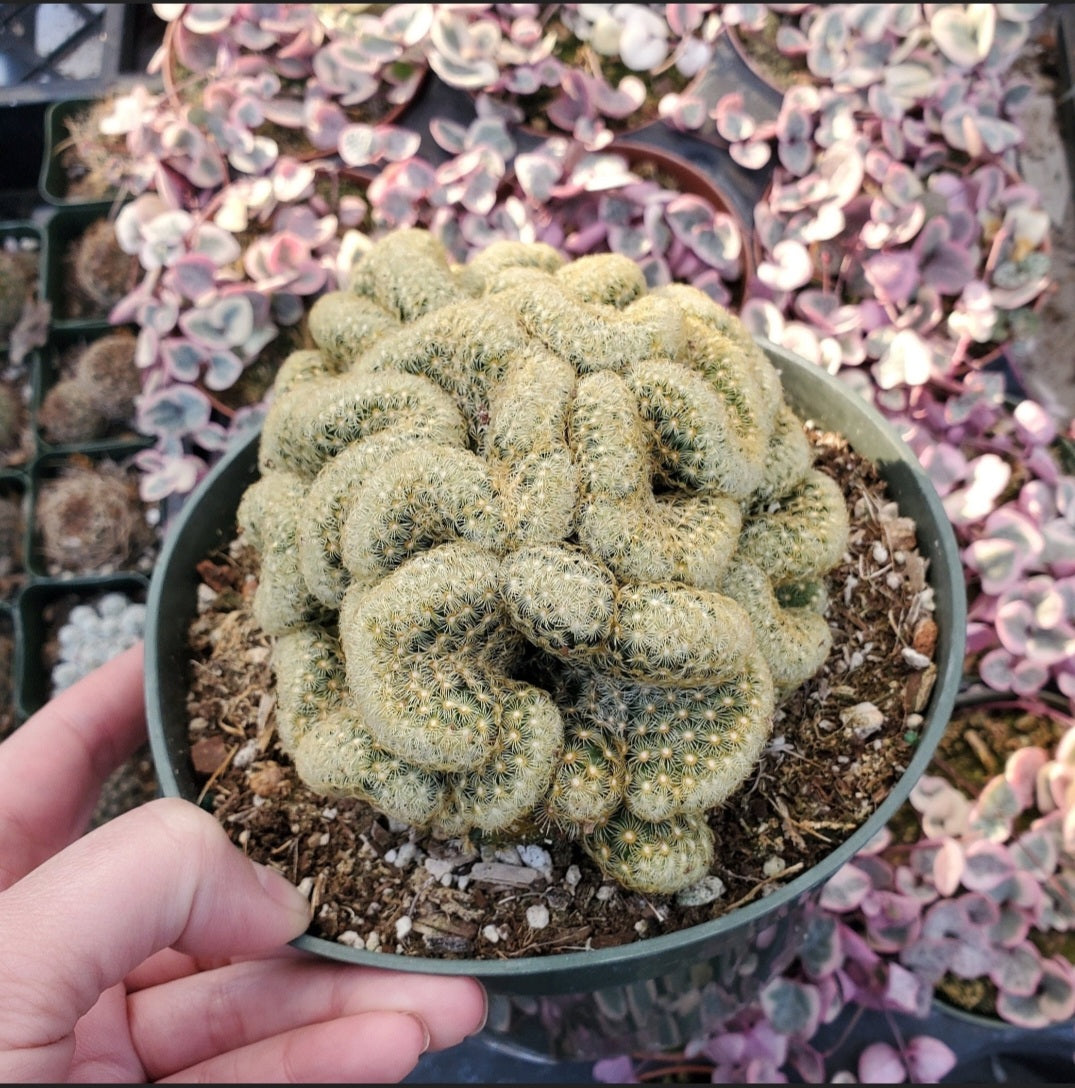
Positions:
(74, 742)
(162, 875)
(255, 1000)
(163, 967)
(370, 1048)
(168, 965)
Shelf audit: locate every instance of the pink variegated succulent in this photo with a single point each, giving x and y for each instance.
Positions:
(588, 70)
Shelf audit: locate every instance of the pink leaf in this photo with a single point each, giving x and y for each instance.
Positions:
(948, 867)
(928, 1059)
(846, 889)
(987, 865)
(1021, 771)
(879, 1063)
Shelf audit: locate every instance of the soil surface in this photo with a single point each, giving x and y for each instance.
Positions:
(838, 745)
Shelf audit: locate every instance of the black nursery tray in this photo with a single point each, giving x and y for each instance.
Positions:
(42, 608)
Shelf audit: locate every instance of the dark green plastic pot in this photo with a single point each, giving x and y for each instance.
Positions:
(37, 607)
(51, 184)
(27, 236)
(652, 993)
(63, 229)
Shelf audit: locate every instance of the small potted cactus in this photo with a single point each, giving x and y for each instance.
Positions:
(538, 555)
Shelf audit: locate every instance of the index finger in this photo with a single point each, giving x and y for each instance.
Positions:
(53, 766)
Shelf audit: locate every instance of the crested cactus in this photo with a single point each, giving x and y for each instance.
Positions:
(538, 546)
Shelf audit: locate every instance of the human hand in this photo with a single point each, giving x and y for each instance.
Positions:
(152, 949)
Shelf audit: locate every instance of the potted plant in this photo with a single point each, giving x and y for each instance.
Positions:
(24, 314)
(590, 70)
(629, 985)
(85, 160)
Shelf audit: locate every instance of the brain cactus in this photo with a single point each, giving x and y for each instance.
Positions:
(539, 546)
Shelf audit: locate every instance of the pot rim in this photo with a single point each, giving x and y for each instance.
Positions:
(607, 966)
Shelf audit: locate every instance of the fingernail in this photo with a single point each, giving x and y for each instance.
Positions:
(279, 889)
(485, 1013)
(425, 1030)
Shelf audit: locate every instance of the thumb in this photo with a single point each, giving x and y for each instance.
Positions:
(164, 875)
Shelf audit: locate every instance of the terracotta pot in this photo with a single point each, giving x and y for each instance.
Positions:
(689, 178)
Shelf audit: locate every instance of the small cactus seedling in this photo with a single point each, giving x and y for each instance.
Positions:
(103, 272)
(533, 546)
(100, 391)
(96, 631)
(67, 416)
(109, 375)
(11, 527)
(11, 417)
(15, 287)
(90, 520)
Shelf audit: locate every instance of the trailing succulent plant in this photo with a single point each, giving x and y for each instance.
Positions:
(524, 529)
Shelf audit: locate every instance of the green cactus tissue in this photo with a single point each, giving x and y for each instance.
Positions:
(538, 545)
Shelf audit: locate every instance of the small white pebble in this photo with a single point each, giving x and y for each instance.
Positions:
(246, 755)
(306, 886)
(396, 826)
(572, 876)
(324, 840)
(914, 658)
(706, 890)
(509, 855)
(390, 856)
(536, 857)
(491, 934)
(893, 580)
(439, 867)
(774, 866)
(880, 553)
(403, 926)
(605, 893)
(405, 855)
(329, 813)
(350, 938)
(850, 584)
(641, 926)
(863, 719)
(537, 916)
(446, 880)
(373, 942)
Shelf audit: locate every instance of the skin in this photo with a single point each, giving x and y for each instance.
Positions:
(151, 949)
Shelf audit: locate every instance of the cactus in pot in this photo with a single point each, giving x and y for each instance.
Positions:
(538, 545)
